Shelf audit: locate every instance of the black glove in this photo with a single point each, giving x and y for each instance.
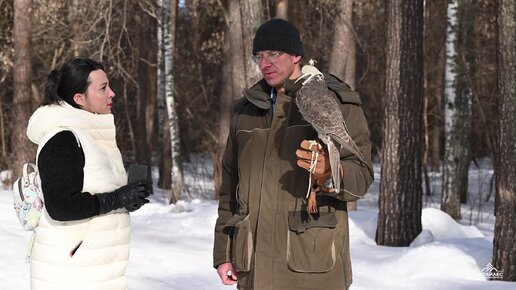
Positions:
(131, 196)
(133, 207)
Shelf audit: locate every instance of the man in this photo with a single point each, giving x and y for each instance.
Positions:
(264, 236)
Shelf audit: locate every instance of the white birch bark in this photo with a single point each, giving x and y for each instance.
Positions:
(458, 110)
(450, 201)
(169, 26)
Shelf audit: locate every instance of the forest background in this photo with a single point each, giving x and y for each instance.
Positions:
(436, 80)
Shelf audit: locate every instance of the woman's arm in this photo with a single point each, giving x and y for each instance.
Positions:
(61, 169)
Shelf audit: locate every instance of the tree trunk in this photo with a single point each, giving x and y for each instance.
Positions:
(236, 49)
(399, 217)
(239, 71)
(175, 142)
(458, 111)
(73, 10)
(504, 247)
(152, 79)
(170, 122)
(142, 154)
(251, 18)
(343, 53)
(146, 92)
(282, 9)
(22, 73)
(434, 53)
(165, 160)
(233, 81)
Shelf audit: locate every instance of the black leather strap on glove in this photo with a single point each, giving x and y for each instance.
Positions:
(131, 196)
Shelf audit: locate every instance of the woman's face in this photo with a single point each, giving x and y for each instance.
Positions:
(98, 98)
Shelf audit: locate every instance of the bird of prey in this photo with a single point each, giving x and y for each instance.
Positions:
(320, 108)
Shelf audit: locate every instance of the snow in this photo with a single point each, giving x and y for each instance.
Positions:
(171, 245)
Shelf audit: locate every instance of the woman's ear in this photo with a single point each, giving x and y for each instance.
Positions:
(79, 99)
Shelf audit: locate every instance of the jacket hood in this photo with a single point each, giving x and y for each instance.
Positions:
(259, 94)
(51, 117)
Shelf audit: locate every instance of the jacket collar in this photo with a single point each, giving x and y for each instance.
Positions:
(259, 95)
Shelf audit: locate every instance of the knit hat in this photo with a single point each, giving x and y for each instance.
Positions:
(278, 34)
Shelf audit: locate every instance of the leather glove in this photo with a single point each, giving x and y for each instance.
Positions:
(131, 196)
(133, 207)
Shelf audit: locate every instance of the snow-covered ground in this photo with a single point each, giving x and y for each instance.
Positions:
(171, 245)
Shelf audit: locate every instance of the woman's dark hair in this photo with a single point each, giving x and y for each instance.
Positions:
(70, 79)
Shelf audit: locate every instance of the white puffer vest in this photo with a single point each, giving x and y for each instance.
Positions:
(100, 261)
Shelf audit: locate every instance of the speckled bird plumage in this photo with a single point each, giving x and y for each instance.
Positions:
(320, 108)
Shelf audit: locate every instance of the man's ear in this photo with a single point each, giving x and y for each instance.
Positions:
(79, 99)
(297, 58)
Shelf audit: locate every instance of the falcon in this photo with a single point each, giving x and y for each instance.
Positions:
(320, 108)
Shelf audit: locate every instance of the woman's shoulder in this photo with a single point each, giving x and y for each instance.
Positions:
(63, 141)
(61, 147)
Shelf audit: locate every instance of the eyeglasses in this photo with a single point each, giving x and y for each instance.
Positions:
(271, 57)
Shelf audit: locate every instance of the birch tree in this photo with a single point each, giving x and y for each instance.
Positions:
(168, 29)
(504, 247)
(399, 217)
(22, 73)
(458, 111)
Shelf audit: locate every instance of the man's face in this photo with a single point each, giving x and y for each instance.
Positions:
(277, 66)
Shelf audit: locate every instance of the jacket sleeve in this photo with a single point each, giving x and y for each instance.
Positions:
(227, 199)
(357, 176)
(61, 169)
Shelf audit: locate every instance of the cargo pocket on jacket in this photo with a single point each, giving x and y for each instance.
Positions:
(241, 242)
(311, 242)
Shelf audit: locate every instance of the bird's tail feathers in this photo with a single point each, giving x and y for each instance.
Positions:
(352, 147)
(334, 156)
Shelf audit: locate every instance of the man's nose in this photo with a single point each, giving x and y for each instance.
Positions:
(264, 63)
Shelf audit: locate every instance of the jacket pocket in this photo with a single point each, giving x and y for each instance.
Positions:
(241, 242)
(311, 242)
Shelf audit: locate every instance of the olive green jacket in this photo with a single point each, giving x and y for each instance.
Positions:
(263, 227)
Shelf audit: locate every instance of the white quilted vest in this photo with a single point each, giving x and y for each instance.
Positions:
(101, 259)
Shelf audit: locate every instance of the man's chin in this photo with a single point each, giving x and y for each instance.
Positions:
(274, 83)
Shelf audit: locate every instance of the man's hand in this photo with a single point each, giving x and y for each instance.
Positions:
(322, 169)
(227, 273)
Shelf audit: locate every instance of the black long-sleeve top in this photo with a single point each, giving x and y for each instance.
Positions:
(61, 169)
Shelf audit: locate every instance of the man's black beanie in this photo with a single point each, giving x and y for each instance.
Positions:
(278, 34)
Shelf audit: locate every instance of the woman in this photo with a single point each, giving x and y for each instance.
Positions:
(82, 241)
